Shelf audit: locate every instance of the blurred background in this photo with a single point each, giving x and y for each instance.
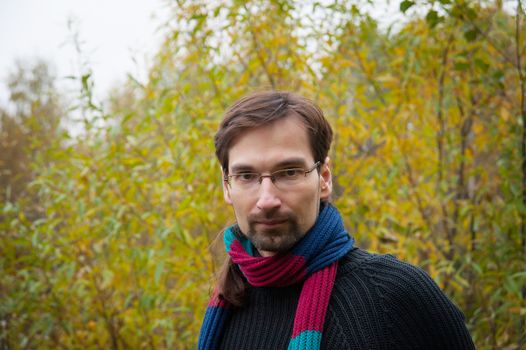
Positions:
(110, 195)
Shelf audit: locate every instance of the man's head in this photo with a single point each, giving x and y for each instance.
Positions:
(285, 138)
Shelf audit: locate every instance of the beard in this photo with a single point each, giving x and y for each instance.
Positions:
(279, 239)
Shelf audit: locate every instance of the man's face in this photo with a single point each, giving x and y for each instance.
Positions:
(275, 219)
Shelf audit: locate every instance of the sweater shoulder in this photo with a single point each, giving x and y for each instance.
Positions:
(385, 273)
(401, 301)
(377, 265)
(393, 281)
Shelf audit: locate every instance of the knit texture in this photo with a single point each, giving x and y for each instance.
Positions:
(313, 260)
(377, 302)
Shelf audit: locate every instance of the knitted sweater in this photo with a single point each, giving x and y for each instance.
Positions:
(377, 302)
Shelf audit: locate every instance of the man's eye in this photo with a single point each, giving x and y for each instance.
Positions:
(246, 177)
(291, 173)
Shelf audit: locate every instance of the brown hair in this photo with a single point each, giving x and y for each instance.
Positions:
(251, 111)
(262, 108)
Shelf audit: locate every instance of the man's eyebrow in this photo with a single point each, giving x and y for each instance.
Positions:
(286, 163)
(291, 162)
(237, 168)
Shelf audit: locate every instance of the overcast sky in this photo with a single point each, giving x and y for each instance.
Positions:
(113, 32)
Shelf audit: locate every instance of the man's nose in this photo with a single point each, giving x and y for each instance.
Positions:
(268, 195)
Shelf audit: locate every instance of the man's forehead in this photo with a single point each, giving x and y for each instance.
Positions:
(277, 144)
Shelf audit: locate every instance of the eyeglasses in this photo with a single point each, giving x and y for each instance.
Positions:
(283, 179)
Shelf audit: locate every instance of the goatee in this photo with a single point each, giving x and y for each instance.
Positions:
(278, 237)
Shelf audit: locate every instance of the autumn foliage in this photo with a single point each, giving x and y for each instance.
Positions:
(106, 237)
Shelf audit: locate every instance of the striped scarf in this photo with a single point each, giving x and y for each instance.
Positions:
(313, 260)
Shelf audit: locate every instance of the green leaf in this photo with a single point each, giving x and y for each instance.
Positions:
(85, 81)
(405, 5)
(481, 64)
(432, 18)
(471, 35)
(355, 11)
(461, 66)
(158, 271)
(471, 14)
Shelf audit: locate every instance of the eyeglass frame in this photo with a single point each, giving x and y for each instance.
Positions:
(271, 176)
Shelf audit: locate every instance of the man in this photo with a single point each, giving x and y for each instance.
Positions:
(293, 278)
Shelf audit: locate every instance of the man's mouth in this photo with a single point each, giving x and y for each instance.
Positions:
(270, 223)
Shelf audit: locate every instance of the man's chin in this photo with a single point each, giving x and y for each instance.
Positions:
(273, 244)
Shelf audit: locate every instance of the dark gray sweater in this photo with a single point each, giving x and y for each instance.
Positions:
(377, 302)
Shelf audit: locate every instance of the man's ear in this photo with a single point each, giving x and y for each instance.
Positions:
(226, 189)
(325, 180)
